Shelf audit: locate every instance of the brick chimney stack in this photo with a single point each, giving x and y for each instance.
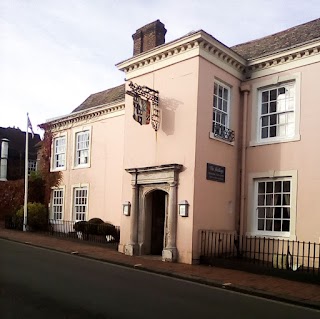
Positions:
(149, 37)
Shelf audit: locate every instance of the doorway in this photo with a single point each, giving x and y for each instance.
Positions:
(157, 214)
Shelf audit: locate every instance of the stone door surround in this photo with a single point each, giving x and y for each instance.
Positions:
(165, 175)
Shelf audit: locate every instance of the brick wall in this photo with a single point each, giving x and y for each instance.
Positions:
(149, 37)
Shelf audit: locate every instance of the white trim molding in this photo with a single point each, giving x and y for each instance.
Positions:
(255, 140)
(75, 131)
(251, 216)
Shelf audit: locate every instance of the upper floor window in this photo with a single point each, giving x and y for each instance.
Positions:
(59, 152)
(221, 112)
(82, 148)
(32, 166)
(277, 112)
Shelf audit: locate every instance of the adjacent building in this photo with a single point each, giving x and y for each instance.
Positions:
(12, 153)
(200, 136)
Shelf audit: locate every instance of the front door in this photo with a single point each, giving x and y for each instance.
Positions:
(157, 221)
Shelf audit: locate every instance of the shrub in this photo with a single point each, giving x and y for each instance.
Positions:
(37, 218)
(97, 226)
(107, 229)
(96, 221)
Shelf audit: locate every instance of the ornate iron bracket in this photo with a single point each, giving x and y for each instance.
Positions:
(223, 132)
(150, 95)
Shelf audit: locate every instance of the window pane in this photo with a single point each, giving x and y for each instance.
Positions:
(278, 187)
(265, 121)
(264, 109)
(260, 224)
(273, 107)
(277, 225)
(273, 95)
(269, 200)
(261, 213)
(225, 94)
(273, 119)
(272, 132)
(269, 187)
(269, 212)
(261, 187)
(286, 225)
(286, 186)
(264, 132)
(277, 212)
(261, 200)
(286, 212)
(269, 224)
(265, 96)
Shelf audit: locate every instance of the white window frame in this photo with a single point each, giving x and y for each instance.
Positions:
(215, 109)
(252, 212)
(256, 125)
(55, 168)
(62, 205)
(77, 132)
(75, 188)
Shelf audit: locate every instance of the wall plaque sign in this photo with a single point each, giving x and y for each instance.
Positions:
(216, 173)
(143, 99)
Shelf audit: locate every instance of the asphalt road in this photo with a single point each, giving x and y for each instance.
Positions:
(39, 283)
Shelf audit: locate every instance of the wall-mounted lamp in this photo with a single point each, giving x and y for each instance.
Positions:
(126, 207)
(184, 208)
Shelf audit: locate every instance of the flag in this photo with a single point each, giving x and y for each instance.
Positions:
(30, 126)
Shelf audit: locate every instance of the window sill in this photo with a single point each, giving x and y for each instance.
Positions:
(81, 166)
(56, 221)
(280, 237)
(58, 169)
(275, 141)
(211, 136)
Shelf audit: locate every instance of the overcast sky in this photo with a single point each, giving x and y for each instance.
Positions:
(55, 53)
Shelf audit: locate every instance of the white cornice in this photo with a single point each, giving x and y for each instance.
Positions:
(197, 44)
(202, 44)
(281, 61)
(85, 115)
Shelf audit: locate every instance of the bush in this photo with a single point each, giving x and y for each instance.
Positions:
(96, 221)
(37, 216)
(97, 226)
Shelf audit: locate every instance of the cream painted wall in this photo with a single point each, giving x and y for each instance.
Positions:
(103, 177)
(302, 155)
(173, 143)
(215, 203)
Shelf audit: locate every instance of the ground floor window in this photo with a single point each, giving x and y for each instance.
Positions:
(57, 203)
(273, 206)
(80, 202)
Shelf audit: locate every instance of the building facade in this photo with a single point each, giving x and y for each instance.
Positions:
(200, 136)
(12, 153)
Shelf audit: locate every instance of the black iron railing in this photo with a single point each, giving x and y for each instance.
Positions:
(222, 132)
(261, 253)
(104, 233)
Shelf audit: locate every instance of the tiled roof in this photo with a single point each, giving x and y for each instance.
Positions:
(280, 41)
(108, 96)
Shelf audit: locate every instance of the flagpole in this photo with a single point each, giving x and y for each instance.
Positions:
(25, 208)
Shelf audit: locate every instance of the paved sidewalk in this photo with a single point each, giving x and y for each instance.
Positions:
(304, 294)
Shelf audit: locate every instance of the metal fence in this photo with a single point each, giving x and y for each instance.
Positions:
(288, 258)
(97, 233)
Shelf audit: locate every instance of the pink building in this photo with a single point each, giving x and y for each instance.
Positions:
(201, 136)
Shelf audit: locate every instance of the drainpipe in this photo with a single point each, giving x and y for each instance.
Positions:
(245, 89)
(4, 159)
